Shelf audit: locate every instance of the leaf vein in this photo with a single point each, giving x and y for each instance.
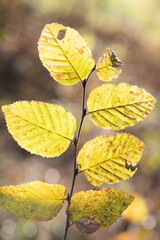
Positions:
(65, 54)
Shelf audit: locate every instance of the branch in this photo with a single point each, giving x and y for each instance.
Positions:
(76, 140)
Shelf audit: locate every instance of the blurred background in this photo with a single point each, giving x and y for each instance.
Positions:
(132, 29)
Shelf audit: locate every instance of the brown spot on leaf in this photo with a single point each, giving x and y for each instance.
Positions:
(58, 77)
(61, 34)
(130, 166)
(81, 51)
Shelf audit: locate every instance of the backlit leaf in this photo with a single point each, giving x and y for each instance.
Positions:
(119, 106)
(97, 208)
(36, 201)
(110, 159)
(107, 66)
(41, 128)
(65, 54)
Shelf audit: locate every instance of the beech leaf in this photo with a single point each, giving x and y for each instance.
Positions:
(119, 106)
(36, 201)
(107, 66)
(65, 54)
(41, 128)
(110, 159)
(96, 209)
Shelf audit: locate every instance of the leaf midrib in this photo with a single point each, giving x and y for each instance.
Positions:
(110, 159)
(64, 53)
(108, 66)
(54, 132)
(121, 106)
(33, 199)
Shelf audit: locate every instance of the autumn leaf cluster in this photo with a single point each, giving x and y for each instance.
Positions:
(47, 130)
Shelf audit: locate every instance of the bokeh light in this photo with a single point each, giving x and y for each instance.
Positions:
(29, 229)
(52, 175)
(8, 229)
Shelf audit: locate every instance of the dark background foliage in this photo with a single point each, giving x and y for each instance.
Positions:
(131, 29)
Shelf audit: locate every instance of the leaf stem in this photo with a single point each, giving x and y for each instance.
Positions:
(75, 142)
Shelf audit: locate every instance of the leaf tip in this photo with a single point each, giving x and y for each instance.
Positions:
(5, 108)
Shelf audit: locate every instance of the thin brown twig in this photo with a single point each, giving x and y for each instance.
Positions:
(75, 142)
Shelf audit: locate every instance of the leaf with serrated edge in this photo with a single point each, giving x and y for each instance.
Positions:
(41, 128)
(119, 106)
(107, 66)
(110, 159)
(97, 208)
(36, 201)
(67, 57)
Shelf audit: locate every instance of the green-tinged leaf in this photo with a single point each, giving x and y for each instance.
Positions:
(97, 208)
(118, 107)
(41, 128)
(36, 201)
(107, 66)
(110, 159)
(65, 54)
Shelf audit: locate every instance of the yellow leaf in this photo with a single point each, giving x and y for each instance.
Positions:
(41, 128)
(96, 209)
(65, 54)
(110, 159)
(107, 66)
(119, 106)
(36, 201)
